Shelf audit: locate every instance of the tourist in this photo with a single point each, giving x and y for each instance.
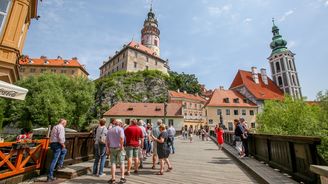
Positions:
(219, 136)
(142, 150)
(133, 135)
(202, 133)
(207, 132)
(163, 150)
(115, 147)
(171, 133)
(238, 134)
(100, 148)
(155, 133)
(57, 146)
(190, 133)
(244, 137)
(149, 146)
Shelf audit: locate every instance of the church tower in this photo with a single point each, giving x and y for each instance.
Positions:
(150, 33)
(282, 64)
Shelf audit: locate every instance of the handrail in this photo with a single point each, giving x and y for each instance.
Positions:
(22, 157)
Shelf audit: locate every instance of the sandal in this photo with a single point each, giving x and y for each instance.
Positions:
(169, 169)
(111, 181)
(159, 173)
(153, 167)
(127, 173)
(122, 180)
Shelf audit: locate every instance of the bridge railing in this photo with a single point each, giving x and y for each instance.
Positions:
(290, 154)
(17, 158)
(80, 148)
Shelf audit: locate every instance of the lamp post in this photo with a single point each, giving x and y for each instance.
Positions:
(165, 112)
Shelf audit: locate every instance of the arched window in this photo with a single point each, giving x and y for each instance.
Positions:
(279, 81)
(278, 66)
(156, 44)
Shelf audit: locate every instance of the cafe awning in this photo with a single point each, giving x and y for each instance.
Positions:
(12, 91)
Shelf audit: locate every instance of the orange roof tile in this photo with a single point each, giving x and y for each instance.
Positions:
(218, 96)
(175, 94)
(261, 90)
(51, 62)
(142, 48)
(145, 110)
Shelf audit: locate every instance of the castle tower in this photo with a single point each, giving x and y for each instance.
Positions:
(150, 33)
(282, 64)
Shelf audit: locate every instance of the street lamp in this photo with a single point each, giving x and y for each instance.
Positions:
(165, 112)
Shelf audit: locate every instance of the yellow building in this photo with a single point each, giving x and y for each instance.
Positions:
(226, 105)
(32, 67)
(15, 18)
(192, 107)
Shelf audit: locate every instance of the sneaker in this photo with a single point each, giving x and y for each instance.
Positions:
(51, 179)
(101, 175)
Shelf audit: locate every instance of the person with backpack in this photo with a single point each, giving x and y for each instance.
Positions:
(238, 137)
(100, 148)
(190, 133)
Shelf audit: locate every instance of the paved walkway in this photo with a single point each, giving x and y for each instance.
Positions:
(198, 162)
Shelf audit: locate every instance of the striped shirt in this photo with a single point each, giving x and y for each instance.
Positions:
(58, 134)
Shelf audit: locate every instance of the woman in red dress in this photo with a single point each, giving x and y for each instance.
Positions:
(219, 135)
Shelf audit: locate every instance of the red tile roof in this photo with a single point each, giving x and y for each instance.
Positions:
(145, 110)
(218, 96)
(261, 90)
(175, 94)
(26, 61)
(142, 48)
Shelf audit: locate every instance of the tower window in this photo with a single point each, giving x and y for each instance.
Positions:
(277, 66)
(279, 81)
(156, 43)
(147, 67)
(155, 62)
(294, 81)
(135, 64)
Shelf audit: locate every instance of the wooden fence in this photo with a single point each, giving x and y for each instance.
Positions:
(18, 158)
(290, 154)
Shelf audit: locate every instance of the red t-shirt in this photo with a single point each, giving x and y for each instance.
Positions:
(132, 135)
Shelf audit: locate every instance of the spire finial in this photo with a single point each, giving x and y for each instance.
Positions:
(151, 5)
(273, 21)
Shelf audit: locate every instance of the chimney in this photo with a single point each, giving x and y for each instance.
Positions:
(254, 75)
(185, 92)
(264, 76)
(59, 57)
(178, 90)
(43, 57)
(221, 88)
(74, 58)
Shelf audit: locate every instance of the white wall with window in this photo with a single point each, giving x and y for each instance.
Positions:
(4, 8)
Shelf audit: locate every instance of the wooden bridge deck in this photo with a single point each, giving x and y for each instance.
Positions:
(198, 162)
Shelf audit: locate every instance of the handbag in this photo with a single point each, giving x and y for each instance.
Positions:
(102, 138)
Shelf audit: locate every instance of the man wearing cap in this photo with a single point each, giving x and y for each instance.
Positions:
(115, 147)
(244, 137)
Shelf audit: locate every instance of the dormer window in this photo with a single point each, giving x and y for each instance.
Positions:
(65, 62)
(236, 100)
(226, 100)
(30, 61)
(46, 61)
(245, 100)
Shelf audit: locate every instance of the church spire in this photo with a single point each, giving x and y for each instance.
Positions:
(278, 44)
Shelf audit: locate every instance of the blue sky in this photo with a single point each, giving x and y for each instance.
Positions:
(209, 38)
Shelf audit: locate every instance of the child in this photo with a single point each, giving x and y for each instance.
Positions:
(219, 135)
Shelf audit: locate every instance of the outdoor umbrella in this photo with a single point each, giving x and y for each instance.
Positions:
(12, 91)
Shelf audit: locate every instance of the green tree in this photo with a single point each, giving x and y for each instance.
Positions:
(2, 111)
(293, 117)
(184, 82)
(50, 97)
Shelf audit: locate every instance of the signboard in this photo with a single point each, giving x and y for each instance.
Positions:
(11, 91)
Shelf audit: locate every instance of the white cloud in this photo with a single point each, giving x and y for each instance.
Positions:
(216, 10)
(247, 20)
(326, 3)
(286, 14)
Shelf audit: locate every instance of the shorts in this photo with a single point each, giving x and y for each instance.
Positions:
(154, 148)
(132, 152)
(116, 156)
